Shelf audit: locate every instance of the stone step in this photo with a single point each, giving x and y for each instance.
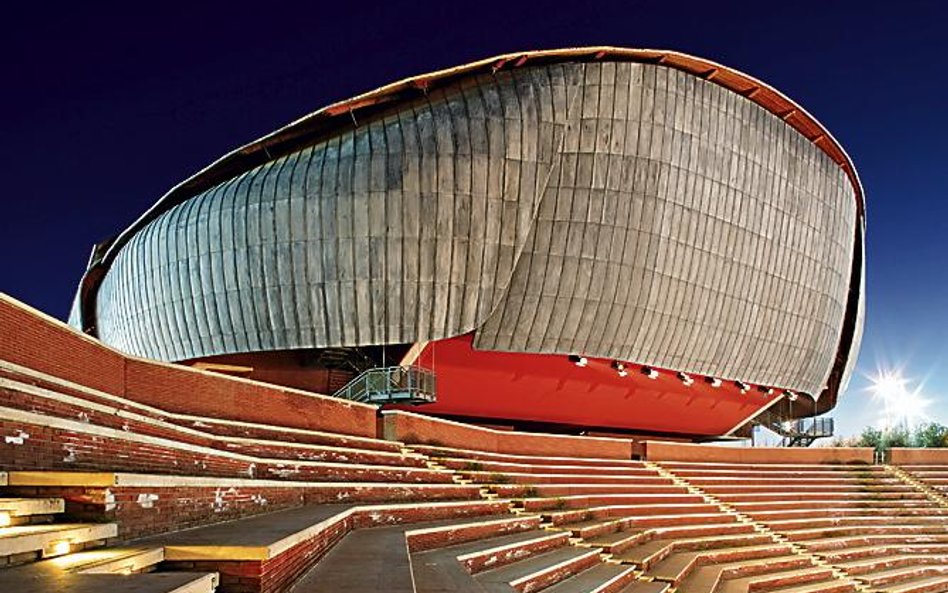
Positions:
(26, 543)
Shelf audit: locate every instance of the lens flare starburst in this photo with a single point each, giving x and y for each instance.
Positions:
(900, 402)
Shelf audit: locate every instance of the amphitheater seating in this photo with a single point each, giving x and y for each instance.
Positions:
(862, 524)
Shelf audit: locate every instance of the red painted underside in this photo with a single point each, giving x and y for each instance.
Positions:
(550, 388)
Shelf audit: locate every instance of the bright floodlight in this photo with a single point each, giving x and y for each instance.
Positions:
(900, 405)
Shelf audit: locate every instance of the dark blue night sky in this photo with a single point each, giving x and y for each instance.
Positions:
(104, 108)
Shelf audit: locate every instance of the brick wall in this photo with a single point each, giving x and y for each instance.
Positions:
(414, 428)
(39, 342)
(907, 456)
(662, 451)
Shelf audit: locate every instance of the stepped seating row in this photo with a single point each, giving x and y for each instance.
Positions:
(862, 523)
(639, 516)
(933, 475)
(67, 432)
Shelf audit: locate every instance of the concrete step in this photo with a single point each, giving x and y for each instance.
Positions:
(773, 581)
(933, 512)
(452, 452)
(842, 543)
(851, 521)
(121, 561)
(21, 511)
(40, 578)
(641, 510)
(601, 578)
(482, 477)
(706, 578)
(566, 467)
(937, 584)
(897, 576)
(501, 555)
(616, 543)
(647, 554)
(540, 571)
(578, 489)
(632, 497)
(827, 586)
(861, 530)
(26, 543)
(432, 538)
(646, 587)
(679, 565)
(594, 527)
(854, 559)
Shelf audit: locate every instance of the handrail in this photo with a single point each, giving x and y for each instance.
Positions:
(396, 384)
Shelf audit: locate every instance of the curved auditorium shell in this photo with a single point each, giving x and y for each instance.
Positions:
(637, 208)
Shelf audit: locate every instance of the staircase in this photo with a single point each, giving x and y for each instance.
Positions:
(391, 385)
(802, 432)
(29, 531)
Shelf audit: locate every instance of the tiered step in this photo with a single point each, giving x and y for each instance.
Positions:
(865, 521)
(28, 543)
(488, 557)
(28, 534)
(24, 511)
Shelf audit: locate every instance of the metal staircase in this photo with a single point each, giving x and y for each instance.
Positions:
(391, 385)
(802, 432)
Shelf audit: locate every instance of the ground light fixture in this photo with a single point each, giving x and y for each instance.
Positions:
(713, 381)
(578, 360)
(685, 378)
(620, 368)
(56, 548)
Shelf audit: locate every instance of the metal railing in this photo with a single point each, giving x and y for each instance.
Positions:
(802, 432)
(391, 385)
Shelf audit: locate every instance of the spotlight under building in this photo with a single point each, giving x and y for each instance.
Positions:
(648, 209)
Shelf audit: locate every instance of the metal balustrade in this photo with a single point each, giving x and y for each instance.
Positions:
(391, 385)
